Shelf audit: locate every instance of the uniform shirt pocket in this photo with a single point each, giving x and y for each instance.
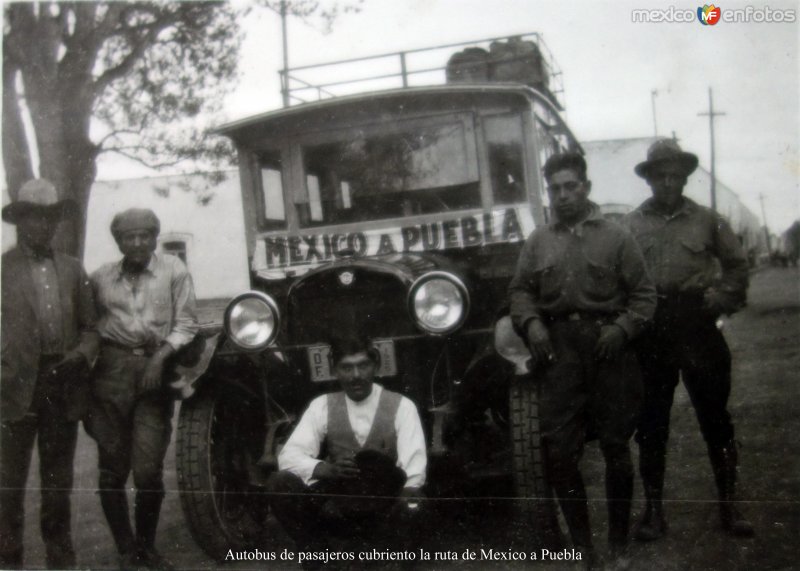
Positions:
(600, 282)
(547, 280)
(694, 254)
(697, 262)
(695, 247)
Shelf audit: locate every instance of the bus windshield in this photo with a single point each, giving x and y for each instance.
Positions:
(421, 167)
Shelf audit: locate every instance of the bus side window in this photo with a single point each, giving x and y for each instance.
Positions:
(272, 215)
(503, 135)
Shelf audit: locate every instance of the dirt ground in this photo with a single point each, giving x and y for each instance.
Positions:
(765, 341)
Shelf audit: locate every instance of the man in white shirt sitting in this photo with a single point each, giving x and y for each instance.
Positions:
(355, 456)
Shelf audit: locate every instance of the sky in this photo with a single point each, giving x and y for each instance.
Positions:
(610, 66)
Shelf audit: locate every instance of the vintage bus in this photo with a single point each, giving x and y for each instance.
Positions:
(398, 213)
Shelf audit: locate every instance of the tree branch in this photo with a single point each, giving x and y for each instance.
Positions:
(156, 166)
(140, 45)
(116, 133)
(108, 25)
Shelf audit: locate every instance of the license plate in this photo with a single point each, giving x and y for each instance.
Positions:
(319, 362)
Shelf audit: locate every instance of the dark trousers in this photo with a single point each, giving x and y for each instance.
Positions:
(683, 341)
(132, 430)
(310, 514)
(580, 395)
(57, 437)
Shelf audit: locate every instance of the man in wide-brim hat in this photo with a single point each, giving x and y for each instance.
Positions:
(49, 340)
(667, 151)
(38, 196)
(685, 245)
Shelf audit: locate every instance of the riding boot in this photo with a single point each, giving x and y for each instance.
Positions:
(60, 554)
(619, 491)
(652, 464)
(572, 498)
(546, 517)
(148, 509)
(115, 508)
(724, 460)
(12, 559)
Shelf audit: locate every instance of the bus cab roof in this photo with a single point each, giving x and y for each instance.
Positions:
(431, 97)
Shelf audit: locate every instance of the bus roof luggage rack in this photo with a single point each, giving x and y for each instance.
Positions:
(519, 59)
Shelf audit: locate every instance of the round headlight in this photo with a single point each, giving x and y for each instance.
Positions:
(438, 302)
(252, 321)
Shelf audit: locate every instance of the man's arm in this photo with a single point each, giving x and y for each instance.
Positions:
(641, 291)
(184, 307)
(522, 298)
(640, 302)
(184, 325)
(412, 455)
(89, 342)
(299, 455)
(525, 314)
(730, 293)
(81, 357)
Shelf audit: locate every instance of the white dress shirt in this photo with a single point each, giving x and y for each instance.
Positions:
(300, 454)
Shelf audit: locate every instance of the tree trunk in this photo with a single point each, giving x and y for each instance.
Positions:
(16, 154)
(58, 95)
(60, 104)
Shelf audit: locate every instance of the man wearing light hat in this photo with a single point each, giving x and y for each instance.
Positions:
(48, 343)
(147, 313)
(700, 272)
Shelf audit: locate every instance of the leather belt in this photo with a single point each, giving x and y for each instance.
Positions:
(583, 316)
(139, 350)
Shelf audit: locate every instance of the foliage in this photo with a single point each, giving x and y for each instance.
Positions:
(139, 79)
(156, 111)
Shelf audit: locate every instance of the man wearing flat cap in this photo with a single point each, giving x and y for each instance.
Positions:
(353, 457)
(700, 272)
(146, 309)
(48, 343)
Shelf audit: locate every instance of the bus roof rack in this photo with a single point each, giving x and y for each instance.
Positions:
(520, 58)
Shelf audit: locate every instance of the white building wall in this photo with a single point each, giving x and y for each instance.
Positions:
(214, 232)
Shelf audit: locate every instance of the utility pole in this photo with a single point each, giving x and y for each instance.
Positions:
(711, 114)
(653, 95)
(766, 228)
(285, 74)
